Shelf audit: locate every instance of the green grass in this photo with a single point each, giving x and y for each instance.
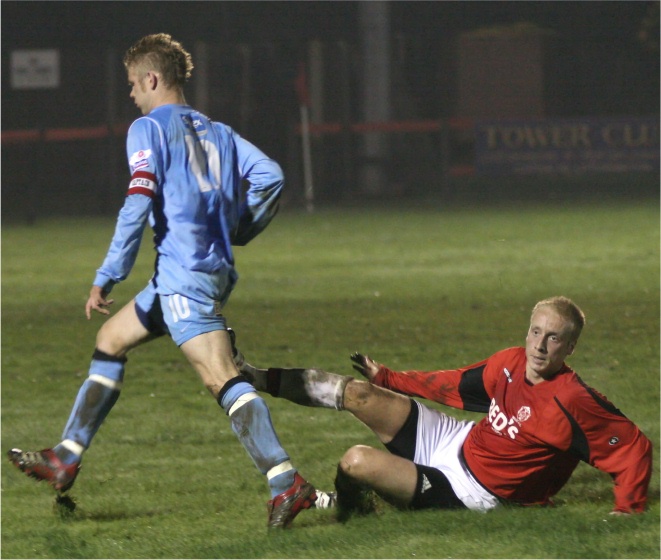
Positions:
(414, 288)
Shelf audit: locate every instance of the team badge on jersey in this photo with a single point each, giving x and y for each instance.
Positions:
(195, 123)
(523, 414)
(139, 159)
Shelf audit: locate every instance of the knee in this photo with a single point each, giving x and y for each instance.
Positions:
(107, 343)
(358, 394)
(355, 460)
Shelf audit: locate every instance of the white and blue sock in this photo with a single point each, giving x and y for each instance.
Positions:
(251, 422)
(95, 399)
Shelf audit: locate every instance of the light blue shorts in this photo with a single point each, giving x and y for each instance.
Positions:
(178, 316)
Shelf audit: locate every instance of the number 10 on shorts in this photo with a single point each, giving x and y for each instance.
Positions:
(179, 307)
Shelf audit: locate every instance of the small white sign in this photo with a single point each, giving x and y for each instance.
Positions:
(35, 69)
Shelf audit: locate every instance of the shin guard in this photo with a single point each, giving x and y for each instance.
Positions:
(251, 422)
(95, 399)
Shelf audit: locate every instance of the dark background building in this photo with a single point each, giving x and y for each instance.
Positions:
(430, 63)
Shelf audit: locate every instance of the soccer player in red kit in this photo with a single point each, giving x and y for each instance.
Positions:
(541, 420)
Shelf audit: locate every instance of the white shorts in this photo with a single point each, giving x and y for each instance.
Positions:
(439, 439)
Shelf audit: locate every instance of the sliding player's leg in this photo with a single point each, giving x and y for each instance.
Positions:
(364, 470)
(381, 410)
(318, 388)
(416, 471)
(304, 386)
(394, 418)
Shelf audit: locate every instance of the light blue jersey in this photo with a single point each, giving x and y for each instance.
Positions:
(186, 181)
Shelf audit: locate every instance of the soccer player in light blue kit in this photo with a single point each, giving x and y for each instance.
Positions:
(186, 181)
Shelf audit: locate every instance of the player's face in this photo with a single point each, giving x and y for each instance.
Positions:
(140, 93)
(547, 345)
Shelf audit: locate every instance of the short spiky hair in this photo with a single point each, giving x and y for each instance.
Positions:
(568, 310)
(160, 52)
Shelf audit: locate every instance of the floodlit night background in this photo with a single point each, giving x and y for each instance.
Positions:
(404, 99)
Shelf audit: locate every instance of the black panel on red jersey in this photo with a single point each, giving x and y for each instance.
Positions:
(579, 442)
(472, 391)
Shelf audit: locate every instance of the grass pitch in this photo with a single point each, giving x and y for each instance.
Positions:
(413, 288)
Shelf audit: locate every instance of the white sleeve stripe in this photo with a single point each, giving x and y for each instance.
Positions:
(160, 131)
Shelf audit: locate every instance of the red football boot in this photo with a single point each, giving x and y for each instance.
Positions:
(284, 507)
(45, 465)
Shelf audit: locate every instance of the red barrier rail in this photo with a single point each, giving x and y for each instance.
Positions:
(433, 125)
(9, 137)
(62, 134)
(20, 136)
(103, 131)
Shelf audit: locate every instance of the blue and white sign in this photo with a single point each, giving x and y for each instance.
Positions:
(574, 145)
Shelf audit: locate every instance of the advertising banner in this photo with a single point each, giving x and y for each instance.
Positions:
(572, 145)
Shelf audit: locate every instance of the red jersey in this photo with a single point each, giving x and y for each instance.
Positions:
(533, 436)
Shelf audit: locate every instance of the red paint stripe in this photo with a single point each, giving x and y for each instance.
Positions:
(17, 136)
(103, 131)
(397, 126)
(462, 170)
(65, 134)
(324, 128)
(391, 126)
(464, 123)
(120, 129)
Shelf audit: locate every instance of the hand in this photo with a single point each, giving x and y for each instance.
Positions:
(365, 365)
(98, 302)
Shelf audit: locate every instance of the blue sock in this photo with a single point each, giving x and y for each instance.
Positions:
(95, 399)
(251, 422)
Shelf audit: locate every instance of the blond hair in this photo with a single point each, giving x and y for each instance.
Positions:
(161, 53)
(568, 310)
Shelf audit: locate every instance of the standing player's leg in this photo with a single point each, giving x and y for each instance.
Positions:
(210, 353)
(59, 466)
